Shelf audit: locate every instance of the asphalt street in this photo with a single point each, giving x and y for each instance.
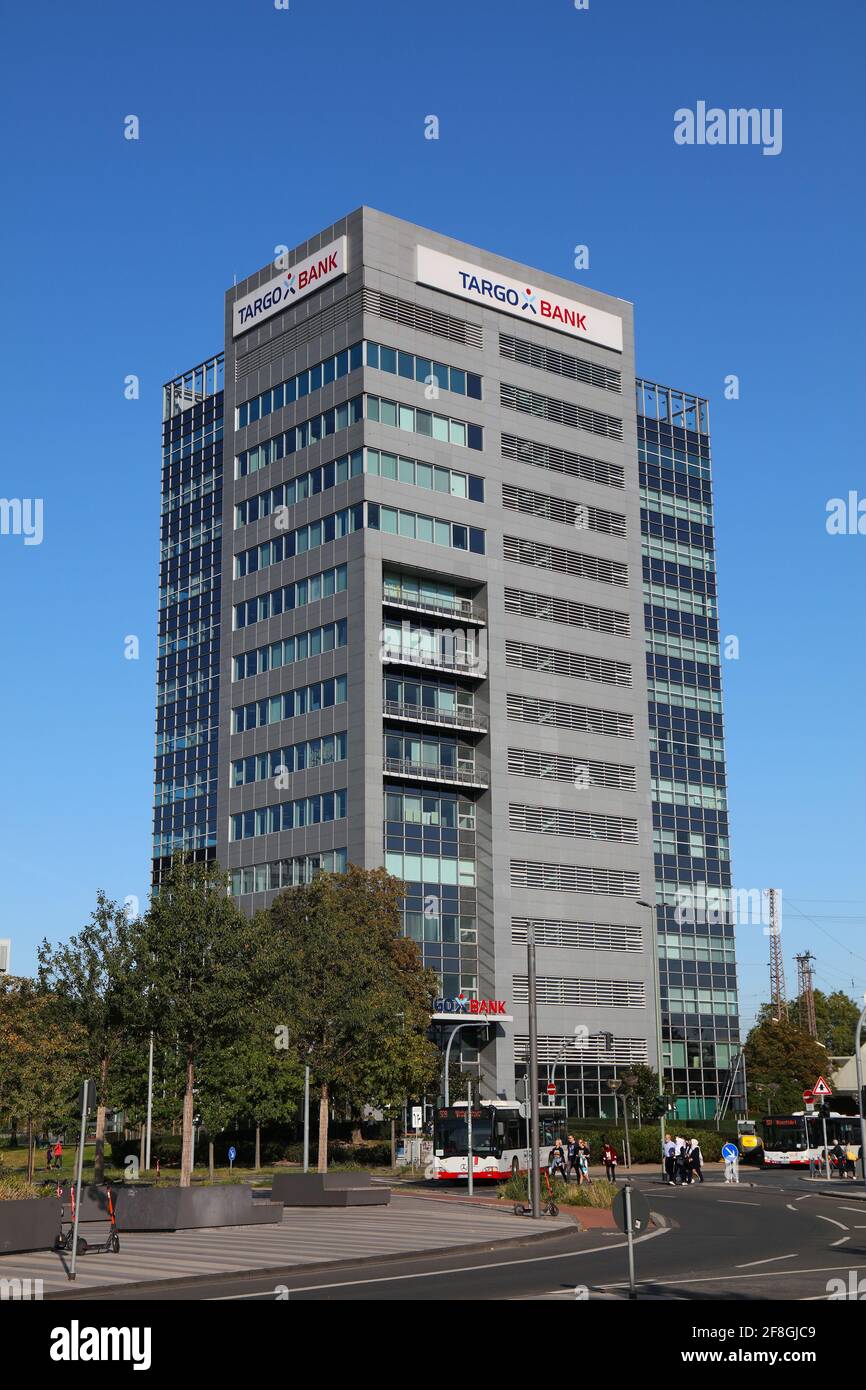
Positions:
(768, 1238)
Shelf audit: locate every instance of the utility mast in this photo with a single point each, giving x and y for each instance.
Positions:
(777, 964)
(806, 993)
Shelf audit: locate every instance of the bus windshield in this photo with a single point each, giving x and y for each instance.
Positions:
(784, 1133)
(451, 1133)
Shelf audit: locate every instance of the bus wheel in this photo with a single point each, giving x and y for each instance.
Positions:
(515, 1166)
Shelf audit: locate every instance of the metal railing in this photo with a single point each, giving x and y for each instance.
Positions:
(466, 775)
(410, 654)
(459, 718)
(456, 607)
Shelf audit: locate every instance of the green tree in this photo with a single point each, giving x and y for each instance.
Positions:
(40, 1060)
(251, 1078)
(836, 1017)
(781, 1062)
(196, 971)
(89, 980)
(350, 992)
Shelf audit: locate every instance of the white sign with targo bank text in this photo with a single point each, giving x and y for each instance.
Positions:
(515, 297)
(289, 287)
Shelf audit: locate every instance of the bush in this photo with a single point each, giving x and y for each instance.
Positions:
(598, 1193)
(14, 1187)
(167, 1148)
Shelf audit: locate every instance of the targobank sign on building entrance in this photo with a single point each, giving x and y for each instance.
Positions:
(290, 286)
(517, 298)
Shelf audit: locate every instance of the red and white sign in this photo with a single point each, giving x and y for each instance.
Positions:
(808, 1095)
(821, 1088)
(289, 286)
(551, 1088)
(527, 302)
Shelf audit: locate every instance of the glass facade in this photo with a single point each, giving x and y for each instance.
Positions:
(697, 969)
(189, 617)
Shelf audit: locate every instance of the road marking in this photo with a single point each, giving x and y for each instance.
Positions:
(729, 1202)
(858, 1210)
(790, 1206)
(463, 1269)
(770, 1260)
(840, 1241)
(729, 1278)
(840, 1224)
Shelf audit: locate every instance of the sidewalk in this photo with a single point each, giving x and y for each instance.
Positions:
(304, 1237)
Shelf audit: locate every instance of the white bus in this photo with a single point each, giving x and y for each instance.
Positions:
(499, 1139)
(797, 1140)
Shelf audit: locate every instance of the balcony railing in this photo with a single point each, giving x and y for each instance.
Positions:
(459, 718)
(463, 608)
(466, 775)
(411, 654)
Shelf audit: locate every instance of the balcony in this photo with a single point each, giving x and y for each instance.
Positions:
(464, 609)
(460, 718)
(465, 775)
(413, 654)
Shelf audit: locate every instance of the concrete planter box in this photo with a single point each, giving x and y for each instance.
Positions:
(328, 1190)
(188, 1208)
(29, 1224)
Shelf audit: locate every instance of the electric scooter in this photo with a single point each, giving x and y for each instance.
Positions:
(111, 1244)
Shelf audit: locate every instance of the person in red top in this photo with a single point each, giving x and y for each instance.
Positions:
(611, 1159)
(58, 1154)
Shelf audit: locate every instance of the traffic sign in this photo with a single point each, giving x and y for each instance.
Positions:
(730, 1152)
(821, 1088)
(807, 1095)
(551, 1088)
(640, 1212)
(233, 1153)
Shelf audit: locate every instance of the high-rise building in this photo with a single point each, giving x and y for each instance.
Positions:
(418, 640)
(698, 976)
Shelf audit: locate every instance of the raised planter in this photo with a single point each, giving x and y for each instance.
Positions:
(29, 1223)
(328, 1190)
(189, 1208)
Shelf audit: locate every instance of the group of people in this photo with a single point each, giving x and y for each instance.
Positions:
(683, 1160)
(572, 1155)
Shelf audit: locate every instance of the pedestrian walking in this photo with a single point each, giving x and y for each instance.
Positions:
(837, 1153)
(49, 1153)
(58, 1154)
(583, 1160)
(670, 1150)
(680, 1164)
(696, 1161)
(611, 1158)
(556, 1160)
(572, 1154)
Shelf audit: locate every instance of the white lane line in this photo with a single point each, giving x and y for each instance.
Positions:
(840, 1224)
(790, 1206)
(806, 1196)
(463, 1269)
(840, 1241)
(859, 1210)
(729, 1278)
(770, 1260)
(729, 1201)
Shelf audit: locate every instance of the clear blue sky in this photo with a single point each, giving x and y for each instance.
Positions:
(258, 127)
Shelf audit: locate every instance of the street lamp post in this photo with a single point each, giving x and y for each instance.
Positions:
(613, 1086)
(858, 1062)
(641, 902)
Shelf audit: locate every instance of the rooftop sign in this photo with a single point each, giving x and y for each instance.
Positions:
(515, 297)
(289, 287)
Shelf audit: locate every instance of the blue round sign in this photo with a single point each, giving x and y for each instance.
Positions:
(730, 1151)
(233, 1153)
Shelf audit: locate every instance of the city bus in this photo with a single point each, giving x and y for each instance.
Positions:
(795, 1141)
(499, 1139)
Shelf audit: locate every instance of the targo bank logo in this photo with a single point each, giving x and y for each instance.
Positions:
(290, 286)
(528, 298)
(305, 280)
(459, 1004)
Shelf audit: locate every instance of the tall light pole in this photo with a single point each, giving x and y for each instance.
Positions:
(858, 1062)
(535, 1137)
(657, 1003)
(149, 1105)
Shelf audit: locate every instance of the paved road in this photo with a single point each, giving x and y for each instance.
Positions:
(768, 1240)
